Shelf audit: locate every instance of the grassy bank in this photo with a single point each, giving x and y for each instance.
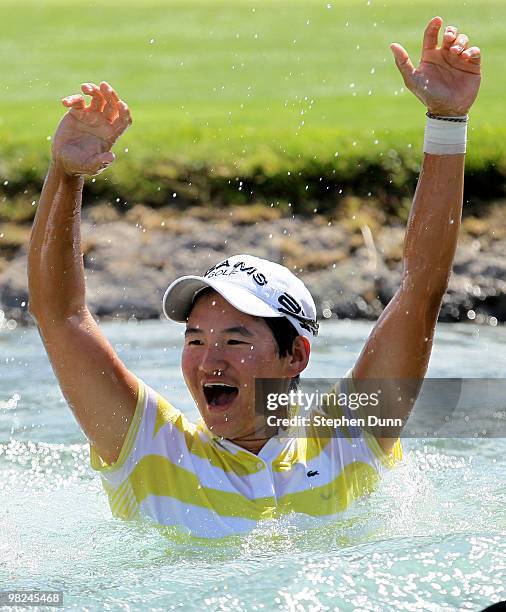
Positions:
(297, 99)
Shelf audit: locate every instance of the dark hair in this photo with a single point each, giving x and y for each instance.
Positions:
(284, 334)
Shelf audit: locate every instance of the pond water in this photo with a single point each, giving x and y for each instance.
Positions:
(431, 537)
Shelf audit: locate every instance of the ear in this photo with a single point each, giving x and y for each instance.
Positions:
(299, 358)
(307, 345)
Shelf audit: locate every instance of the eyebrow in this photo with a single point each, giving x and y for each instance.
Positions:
(240, 329)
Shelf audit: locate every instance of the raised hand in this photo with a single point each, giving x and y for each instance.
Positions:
(448, 77)
(83, 139)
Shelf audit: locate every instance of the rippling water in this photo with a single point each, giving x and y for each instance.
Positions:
(432, 537)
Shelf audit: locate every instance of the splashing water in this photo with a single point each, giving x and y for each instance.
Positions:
(430, 537)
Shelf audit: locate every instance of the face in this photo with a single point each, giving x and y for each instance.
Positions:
(224, 351)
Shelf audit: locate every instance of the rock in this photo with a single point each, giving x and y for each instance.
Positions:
(14, 290)
(128, 265)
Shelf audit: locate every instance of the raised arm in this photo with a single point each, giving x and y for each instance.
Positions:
(98, 387)
(399, 347)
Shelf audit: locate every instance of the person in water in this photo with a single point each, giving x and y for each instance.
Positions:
(246, 319)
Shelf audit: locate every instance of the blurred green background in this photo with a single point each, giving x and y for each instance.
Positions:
(242, 85)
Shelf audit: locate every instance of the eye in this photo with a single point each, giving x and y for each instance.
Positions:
(195, 342)
(236, 342)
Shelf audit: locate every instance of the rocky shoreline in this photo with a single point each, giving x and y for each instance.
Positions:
(352, 266)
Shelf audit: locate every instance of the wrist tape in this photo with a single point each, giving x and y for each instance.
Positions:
(445, 135)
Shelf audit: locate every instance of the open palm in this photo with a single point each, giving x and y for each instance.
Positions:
(448, 77)
(84, 138)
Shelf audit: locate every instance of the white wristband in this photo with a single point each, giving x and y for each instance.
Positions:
(445, 137)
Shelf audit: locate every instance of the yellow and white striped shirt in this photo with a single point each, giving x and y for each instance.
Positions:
(178, 473)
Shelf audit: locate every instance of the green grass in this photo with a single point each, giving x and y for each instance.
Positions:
(229, 82)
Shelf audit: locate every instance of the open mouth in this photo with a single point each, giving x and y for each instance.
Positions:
(220, 395)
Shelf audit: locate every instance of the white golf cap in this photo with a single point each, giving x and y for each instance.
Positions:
(254, 286)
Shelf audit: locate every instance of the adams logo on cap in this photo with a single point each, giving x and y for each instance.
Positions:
(225, 268)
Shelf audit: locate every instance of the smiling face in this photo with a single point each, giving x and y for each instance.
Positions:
(224, 351)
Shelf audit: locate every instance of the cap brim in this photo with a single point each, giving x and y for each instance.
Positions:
(179, 297)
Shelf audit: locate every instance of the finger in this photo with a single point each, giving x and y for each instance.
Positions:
(97, 99)
(88, 88)
(451, 33)
(110, 111)
(101, 162)
(77, 101)
(403, 62)
(112, 91)
(124, 119)
(473, 54)
(431, 33)
(114, 95)
(461, 43)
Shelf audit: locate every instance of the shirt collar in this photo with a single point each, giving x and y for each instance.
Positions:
(269, 452)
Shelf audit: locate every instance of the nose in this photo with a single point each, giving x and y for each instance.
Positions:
(212, 362)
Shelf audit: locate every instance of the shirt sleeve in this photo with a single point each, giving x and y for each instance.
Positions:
(152, 412)
(364, 442)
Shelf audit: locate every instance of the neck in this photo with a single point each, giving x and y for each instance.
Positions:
(253, 445)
